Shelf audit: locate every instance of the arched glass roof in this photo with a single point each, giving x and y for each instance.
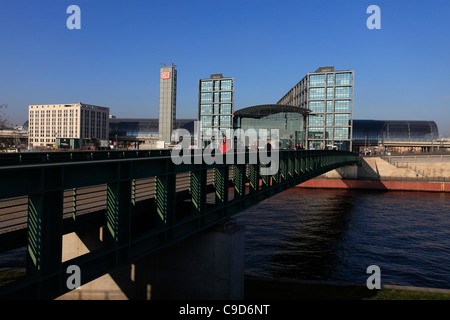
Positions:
(264, 110)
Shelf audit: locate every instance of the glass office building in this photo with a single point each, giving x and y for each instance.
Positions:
(215, 106)
(329, 96)
(290, 122)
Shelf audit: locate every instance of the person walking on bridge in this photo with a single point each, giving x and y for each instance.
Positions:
(225, 145)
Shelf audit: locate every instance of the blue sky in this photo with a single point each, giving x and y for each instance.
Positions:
(402, 70)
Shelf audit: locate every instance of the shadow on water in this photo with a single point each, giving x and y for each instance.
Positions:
(311, 249)
(300, 241)
(334, 235)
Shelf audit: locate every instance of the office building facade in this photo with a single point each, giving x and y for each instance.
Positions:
(329, 96)
(215, 107)
(67, 125)
(167, 102)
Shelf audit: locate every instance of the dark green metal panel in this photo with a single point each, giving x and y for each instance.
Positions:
(197, 186)
(253, 178)
(165, 197)
(222, 178)
(44, 233)
(240, 178)
(118, 216)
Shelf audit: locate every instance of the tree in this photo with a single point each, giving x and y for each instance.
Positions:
(3, 119)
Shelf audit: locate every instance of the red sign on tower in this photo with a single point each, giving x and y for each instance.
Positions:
(165, 75)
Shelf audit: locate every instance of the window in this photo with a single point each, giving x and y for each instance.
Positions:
(226, 85)
(206, 86)
(341, 133)
(343, 79)
(330, 79)
(205, 109)
(225, 97)
(342, 119)
(315, 133)
(317, 93)
(317, 80)
(342, 106)
(206, 121)
(206, 97)
(225, 120)
(328, 133)
(316, 106)
(330, 93)
(329, 106)
(343, 92)
(225, 108)
(316, 120)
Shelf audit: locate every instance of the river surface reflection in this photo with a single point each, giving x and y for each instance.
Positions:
(334, 235)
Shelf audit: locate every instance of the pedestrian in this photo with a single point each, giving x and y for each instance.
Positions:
(225, 145)
(268, 148)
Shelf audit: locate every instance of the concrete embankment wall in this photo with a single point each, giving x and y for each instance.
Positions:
(376, 185)
(376, 173)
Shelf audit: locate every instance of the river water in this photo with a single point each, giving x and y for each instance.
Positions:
(335, 235)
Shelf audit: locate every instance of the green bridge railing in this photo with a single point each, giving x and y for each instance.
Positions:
(142, 199)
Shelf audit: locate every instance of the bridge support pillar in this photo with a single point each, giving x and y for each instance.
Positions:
(207, 266)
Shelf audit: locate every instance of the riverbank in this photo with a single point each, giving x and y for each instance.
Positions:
(377, 185)
(268, 289)
(375, 173)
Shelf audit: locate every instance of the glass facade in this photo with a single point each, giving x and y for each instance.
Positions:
(376, 132)
(330, 102)
(215, 111)
(290, 123)
(329, 96)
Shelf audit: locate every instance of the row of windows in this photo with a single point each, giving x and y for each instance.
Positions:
(338, 79)
(70, 112)
(71, 122)
(217, 131)
(340, 119)
(329, 133)
(339, 93)
(209, 97)
(208, 121)
(218, 85)
(43, 140)
(339, 106)
(223, 108)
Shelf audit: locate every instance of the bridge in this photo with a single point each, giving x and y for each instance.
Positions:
(142, 199)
